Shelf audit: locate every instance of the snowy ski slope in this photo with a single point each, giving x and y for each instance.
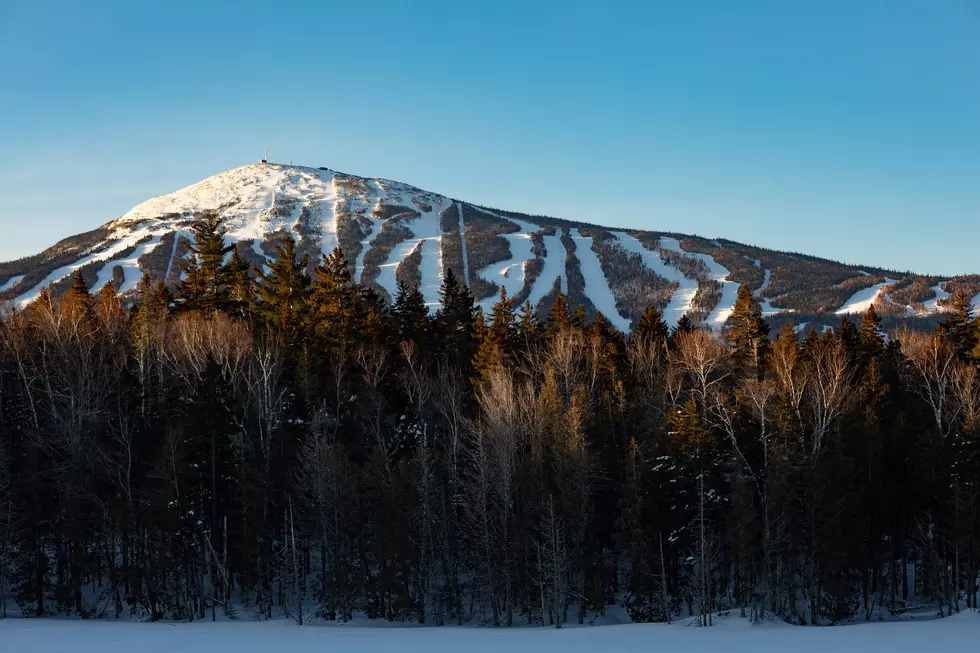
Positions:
(596, 285)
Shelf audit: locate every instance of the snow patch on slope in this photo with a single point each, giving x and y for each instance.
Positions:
(554, 268)
(932, 305)
(596, 286)
(427, 231)
(509, 274)
(864, 298)
(130, 266)
(681, 300)
(11, 282)
(729, 289)
(767, 308)
(126, 241)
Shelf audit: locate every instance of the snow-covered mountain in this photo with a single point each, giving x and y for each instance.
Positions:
(392, 231)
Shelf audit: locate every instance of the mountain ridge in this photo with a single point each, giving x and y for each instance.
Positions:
(391, 231)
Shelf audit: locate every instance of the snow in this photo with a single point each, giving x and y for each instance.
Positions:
(680, 301)
(730, 634)
(127, 240)
(376, 225)
(596, 285)
(729, 289)
(554, 268)
(976, 303)
(864, 298)
(427, 232)
(130, 266)
(11, 282)
(509, 274)
(932, 305)
(767, 308)
(462, 245)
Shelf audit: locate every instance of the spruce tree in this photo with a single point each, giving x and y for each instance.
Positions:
(412, 321)
(282, 291)
(497, 345)
(455, 320)
(651, 328)
(747, 333)
(959, 329)
(206, 279)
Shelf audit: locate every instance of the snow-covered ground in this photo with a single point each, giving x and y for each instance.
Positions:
(862, 299)
(462, 244)
(11, 282)
(729, 634)
(427, 232)
(767, 308)
(596, 285)
(729, 289)
(554, 268)
(680, 301)
(976, 303)
(509, 274)
(366, 245)
(932, 305)
(130, 266)
(129, 239)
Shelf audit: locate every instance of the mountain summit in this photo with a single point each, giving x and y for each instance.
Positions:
(391, 231)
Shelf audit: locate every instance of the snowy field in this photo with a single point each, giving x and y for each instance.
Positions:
(731, 635)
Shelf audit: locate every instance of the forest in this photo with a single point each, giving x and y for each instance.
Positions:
(257, 443)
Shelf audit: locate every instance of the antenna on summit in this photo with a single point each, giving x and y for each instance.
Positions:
(265, 159)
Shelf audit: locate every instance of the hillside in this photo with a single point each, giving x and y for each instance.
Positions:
(391, 231)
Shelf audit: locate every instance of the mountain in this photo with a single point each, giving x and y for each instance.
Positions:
(392, 231)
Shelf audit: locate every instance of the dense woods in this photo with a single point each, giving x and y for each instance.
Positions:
(252, 445)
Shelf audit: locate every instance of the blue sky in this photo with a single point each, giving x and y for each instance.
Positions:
(839, 128)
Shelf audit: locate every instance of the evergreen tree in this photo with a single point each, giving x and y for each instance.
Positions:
(651, 327)
(497, 344)
(959, 329)
(411, 315)
(748, 333)
(206, 281)
(282, 292)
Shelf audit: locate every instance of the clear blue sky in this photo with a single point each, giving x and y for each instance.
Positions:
(849, 129)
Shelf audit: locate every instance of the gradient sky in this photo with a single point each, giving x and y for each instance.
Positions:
(839, 128)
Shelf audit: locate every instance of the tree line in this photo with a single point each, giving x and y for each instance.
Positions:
(275, 442)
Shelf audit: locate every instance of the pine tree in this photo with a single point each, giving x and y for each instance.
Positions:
(455, 320)
(205, 286)
(282, 292)
(412, 320)
(559, 318)
(748, 333)
(651, 328)
(497, 345)
(871, 340)
(959, 329)
(241, 294)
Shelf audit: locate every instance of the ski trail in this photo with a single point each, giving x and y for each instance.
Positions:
(129, 240)
(554, 268)
(11, 282)
(862, 299)
(130, 266)
(426, 229)
(366, 245)
(767, 308)
(729, 289)
(682, 299)
(596, 285)
(932, 305)
(509, 274)
(462, 243)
